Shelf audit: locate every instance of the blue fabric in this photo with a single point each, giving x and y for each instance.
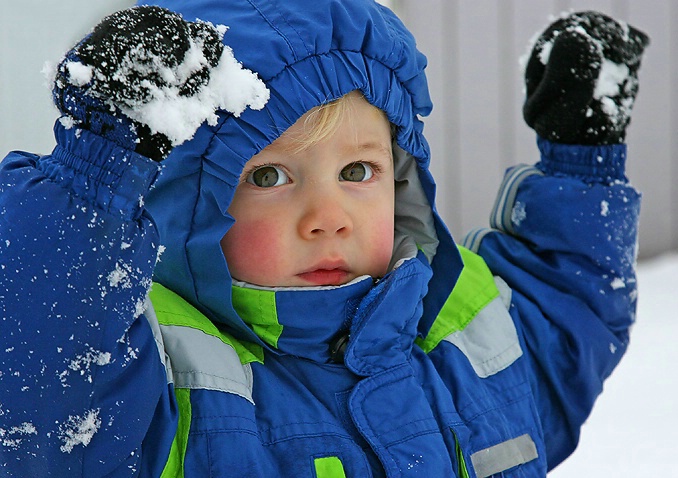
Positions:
(316, 51)
(311, 325)
(73, 348)
(576, 248)
(588, 163)
(80, 234)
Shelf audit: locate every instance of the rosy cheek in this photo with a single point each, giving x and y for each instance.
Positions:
(253, 251)
(382, 248)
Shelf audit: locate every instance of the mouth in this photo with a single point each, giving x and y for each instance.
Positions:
(326, 273)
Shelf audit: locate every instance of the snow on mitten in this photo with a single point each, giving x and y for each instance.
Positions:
(146, 79)
(582, 78)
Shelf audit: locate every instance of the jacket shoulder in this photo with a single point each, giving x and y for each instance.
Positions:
(173, 310)
(198, 354)
(476, 320)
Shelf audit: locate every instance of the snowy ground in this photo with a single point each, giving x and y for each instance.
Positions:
(633, 430)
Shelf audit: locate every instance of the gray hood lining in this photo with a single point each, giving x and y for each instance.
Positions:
(414, 224)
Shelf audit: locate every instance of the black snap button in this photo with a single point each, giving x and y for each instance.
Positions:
(338, 347)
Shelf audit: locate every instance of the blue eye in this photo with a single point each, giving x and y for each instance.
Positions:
(267, 177)
(356, 172)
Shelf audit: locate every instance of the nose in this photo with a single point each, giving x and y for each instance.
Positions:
(324, 215)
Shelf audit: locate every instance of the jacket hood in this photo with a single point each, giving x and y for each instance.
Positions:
(307, 52)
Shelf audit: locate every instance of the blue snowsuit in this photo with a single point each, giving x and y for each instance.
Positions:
(475, 361)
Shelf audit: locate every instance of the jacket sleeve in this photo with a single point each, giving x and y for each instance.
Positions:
(564, 238)
(82, 377)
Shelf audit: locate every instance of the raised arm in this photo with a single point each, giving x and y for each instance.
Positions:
(564, 231)
(83, 375)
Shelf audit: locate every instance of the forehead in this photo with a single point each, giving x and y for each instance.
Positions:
(350, 119)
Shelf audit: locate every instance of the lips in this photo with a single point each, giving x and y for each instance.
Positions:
(326, 273)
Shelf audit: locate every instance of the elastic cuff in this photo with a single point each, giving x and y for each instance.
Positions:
(110, 177)
(602, 163)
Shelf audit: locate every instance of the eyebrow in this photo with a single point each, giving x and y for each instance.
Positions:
(368, 146)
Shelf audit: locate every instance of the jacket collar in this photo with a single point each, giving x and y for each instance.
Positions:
(306, 322)
(300, 321)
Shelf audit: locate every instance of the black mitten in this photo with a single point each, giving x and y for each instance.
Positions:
(130, 59)
(582, 78)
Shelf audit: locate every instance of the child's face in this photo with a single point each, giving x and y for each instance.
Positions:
(320, 216)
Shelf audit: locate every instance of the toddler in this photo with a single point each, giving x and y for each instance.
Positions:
(232, 265)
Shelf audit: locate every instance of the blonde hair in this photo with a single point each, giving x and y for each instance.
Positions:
(322, 121)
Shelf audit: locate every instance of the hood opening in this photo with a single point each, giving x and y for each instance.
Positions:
(327, 54)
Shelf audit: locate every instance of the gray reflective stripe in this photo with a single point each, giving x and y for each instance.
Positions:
(152, 319)
(502, 213)
(503, 456)
(474, 237)
(490, 340)
(202, 361)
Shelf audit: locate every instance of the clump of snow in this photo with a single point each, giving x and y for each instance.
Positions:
(79, 430)
(618, 283)
(12, 438)
(612, 76)
(604, 208)
(545, 52)
(161, 251)
(525, 57)
(84, 362)
(67, 122)
(518, 213)
(79, 74)
(140, 307)
(231, 88)
(120, 277)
